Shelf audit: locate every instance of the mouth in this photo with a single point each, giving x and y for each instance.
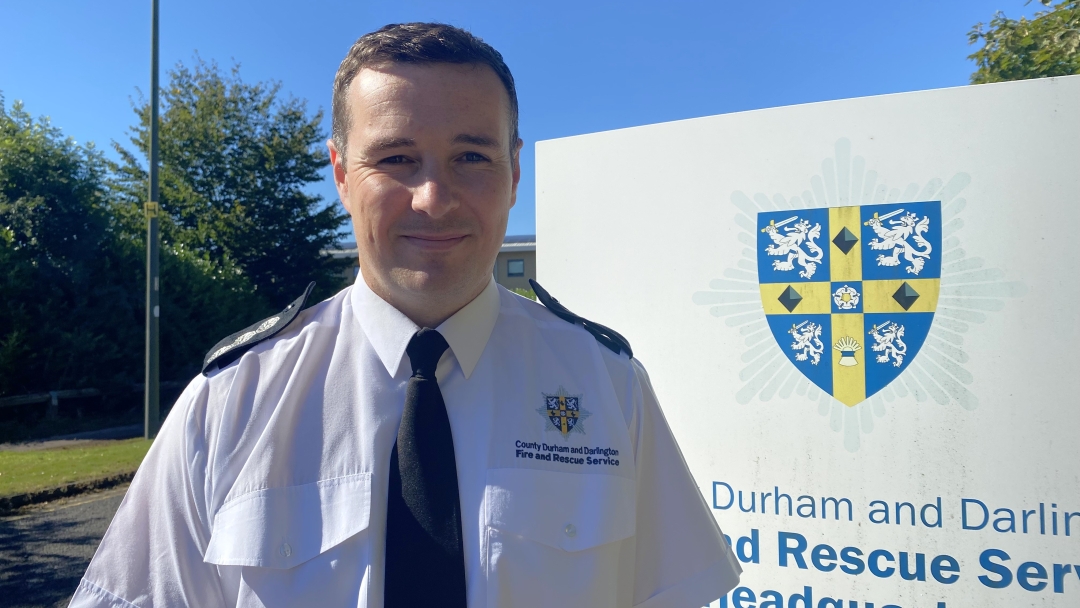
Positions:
(435, 242)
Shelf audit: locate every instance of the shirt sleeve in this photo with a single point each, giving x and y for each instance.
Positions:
(682, 559)
(152, 554)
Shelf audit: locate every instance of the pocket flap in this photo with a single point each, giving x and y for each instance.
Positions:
(569, 511)
(284, 527)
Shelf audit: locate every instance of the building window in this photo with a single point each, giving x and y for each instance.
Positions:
(515, 268)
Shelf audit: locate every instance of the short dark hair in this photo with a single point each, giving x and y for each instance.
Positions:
(417, 43)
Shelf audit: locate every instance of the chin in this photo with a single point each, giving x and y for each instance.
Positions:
(438, 282)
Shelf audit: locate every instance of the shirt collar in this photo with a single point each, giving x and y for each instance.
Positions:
(389, 330)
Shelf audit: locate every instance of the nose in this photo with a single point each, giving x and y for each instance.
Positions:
(433, 196)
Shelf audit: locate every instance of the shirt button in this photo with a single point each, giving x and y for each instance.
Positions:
(286, 550)
(570, 530)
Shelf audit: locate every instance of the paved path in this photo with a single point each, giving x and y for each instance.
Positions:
(44, 550)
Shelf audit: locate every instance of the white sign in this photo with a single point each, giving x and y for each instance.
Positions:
(862, 318)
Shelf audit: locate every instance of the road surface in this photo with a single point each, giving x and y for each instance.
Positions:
(44, 550)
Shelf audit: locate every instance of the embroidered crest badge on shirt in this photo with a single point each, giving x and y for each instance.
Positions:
(564, 411)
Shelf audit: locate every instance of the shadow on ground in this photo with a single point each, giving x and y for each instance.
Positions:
(44, 552)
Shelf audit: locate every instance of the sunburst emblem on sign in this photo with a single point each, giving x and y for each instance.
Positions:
(797, 260)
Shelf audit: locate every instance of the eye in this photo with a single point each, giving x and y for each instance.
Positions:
(394, 160)
(473, 157)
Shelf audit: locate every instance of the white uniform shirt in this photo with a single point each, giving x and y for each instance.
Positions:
(267, 483)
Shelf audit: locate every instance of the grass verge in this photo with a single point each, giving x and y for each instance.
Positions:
(24, 472)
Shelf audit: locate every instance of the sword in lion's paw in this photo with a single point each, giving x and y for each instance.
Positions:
(774, 225)
(881, 218)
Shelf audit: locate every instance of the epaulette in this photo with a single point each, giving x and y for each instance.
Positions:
(604, 335)
(230, 349)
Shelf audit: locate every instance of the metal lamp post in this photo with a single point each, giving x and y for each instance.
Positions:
(152, 397)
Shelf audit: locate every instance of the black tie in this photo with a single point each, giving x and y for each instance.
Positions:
(425, 561)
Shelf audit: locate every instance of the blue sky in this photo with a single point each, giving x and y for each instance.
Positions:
(580, 66)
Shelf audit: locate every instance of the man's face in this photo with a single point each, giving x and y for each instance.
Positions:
(429, 180)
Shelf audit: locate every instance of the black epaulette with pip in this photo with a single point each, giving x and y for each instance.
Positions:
(604, 335)
(230, 349)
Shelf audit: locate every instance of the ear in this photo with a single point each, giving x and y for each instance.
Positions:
(515, 162)
(337, 161)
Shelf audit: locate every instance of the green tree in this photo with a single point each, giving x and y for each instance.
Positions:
(72, 274)
(235, 161)
(1048, 45)
(66, 307)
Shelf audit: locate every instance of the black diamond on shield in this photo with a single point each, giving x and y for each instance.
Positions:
(905, 296)
(790, 298)
(845, 240)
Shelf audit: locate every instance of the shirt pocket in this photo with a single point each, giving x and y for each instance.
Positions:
(553, 538)
(281, 528)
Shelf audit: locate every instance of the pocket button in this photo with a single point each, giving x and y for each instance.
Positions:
(286, 550)
(570, 530)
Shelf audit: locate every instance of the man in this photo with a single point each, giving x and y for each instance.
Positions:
(351, 455)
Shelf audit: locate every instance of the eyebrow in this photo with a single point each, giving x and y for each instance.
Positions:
(389, 143)
(476, 140)
(394, 143)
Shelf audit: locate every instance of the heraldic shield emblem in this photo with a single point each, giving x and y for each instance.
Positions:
(850, 292)
(564, 411)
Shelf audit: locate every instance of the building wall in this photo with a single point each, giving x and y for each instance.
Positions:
(515, 282)
(349, 273)
(501, 276)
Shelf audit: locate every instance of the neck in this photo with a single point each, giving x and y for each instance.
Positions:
(426, 309)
